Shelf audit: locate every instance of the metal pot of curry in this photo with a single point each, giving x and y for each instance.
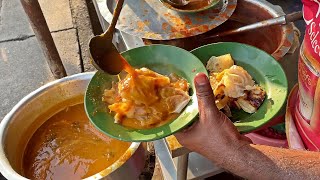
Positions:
(47, 135)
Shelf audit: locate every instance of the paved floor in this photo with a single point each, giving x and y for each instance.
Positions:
(23, 67)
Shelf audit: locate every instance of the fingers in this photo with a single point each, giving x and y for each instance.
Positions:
(206, 100)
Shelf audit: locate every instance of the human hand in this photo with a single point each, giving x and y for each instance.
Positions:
(214, 133)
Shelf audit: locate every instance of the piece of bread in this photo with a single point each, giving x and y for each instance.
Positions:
(218, 64)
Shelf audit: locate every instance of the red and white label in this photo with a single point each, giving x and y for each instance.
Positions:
(309, 94)
(311, 13)
(309, 83)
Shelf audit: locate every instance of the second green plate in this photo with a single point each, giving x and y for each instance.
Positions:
(264, 69)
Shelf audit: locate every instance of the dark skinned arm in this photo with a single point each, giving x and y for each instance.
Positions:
(215, 137)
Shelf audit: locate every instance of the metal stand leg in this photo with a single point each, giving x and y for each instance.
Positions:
(165, 160)
(42, 32)
(182, 167)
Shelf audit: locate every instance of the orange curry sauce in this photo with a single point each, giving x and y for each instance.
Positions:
(67, 146)
(152, 92)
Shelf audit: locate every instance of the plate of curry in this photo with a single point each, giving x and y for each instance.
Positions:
(153, 98)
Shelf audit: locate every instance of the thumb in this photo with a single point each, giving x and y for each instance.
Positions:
(205, 96)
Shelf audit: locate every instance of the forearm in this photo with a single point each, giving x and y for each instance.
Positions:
(265, 162)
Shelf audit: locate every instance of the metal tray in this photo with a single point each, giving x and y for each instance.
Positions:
(150, 19)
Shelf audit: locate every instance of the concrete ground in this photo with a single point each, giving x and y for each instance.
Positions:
(23, 67)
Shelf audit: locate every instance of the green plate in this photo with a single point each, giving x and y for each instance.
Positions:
(162, 59)
(264, 69)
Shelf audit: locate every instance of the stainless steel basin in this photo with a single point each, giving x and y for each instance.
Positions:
(22, 121)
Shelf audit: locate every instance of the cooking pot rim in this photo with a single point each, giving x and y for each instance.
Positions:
(287, 30)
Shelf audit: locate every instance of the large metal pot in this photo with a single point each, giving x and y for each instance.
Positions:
(23, 120)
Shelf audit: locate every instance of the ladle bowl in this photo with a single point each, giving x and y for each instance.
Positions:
(105, 56)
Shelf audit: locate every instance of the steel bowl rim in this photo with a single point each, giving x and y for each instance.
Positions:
(275, 11)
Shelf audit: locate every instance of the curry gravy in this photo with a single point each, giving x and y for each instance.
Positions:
(147, 99)
(67, 146)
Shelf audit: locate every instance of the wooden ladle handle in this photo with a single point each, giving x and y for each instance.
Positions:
(116, 14)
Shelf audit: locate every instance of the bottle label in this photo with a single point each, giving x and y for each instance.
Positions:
(311, 16)
(309, 93)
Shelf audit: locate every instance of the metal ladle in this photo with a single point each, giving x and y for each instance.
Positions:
(281, 20)
(105, 56)
(180, 3)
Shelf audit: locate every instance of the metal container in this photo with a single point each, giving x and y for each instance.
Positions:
(275, 40)
(23, 120)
